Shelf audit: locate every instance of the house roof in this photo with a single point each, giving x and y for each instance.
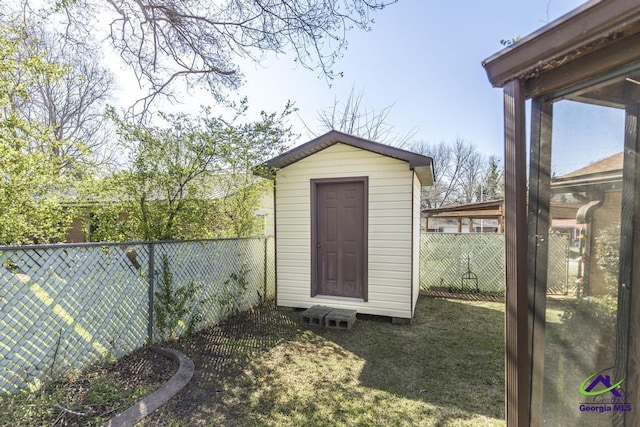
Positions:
(422, 165)
(609, 164)
(606, 173)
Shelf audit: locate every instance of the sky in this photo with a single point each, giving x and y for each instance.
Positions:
(423, 57)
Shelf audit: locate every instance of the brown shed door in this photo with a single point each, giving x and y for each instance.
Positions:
(340, 239)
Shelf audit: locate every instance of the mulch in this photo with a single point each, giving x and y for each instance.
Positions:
(139, 369)
(220, 354)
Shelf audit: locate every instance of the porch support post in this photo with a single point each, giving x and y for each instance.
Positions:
(517, 365)
(628, 324)
(539, 222)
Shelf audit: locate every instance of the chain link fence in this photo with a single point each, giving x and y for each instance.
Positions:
(66, 307)
(474, 263)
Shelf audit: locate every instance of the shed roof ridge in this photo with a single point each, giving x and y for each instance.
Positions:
(334, 137)
(420, 163)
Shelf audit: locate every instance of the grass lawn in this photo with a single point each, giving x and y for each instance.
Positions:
(445, 369)
(262, 368)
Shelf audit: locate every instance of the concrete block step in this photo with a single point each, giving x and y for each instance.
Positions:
(340, 319)
(332, 318)
(314, 316)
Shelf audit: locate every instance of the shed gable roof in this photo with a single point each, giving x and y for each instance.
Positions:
(422, 165)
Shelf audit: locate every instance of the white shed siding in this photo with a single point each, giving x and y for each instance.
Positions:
(416, 241)
(389, 229)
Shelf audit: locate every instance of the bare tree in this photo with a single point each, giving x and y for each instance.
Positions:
(354, 118)
(493, 182)
(462, 174)
(198, 40)
(72, 105)
(473, 171)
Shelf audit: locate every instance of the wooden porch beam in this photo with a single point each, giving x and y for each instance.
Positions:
(628, 324)
(539, 222)
(517, 365)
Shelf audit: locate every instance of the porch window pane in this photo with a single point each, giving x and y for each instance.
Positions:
(582, 255)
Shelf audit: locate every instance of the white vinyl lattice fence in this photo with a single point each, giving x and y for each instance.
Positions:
(447, 258)
(65, 307)
(558, 264)
(443, 261)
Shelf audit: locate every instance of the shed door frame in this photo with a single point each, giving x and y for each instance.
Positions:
(314, 230)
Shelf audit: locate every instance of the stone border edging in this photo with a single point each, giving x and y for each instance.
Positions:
(150, 403)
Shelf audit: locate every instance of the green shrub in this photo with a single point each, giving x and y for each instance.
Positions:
(607, 248)
(174, 307)
(589, 324)
(233, 291)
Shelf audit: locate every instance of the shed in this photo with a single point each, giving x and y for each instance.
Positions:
(347, 225)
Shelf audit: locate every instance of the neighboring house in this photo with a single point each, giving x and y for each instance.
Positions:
(563, 220)
(265, 211)
(348, 225)
(219, 187)
(600, 185)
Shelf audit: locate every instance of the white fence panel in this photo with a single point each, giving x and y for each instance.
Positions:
(66, 307)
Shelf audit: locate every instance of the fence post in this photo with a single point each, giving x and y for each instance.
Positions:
(151, 280)
(264, 298)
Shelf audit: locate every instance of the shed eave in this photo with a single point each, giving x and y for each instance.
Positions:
(422, 165)
(425, 175)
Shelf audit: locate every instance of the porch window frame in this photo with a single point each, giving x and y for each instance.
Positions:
(526, 281)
